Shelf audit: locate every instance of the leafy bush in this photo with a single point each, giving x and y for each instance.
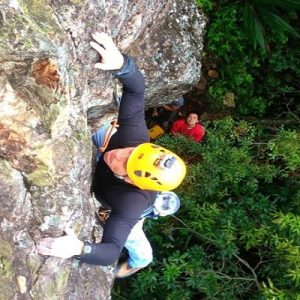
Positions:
(237, 233)
(264, 80)
(267, 12)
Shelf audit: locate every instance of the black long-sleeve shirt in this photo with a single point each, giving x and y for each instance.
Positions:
(126, 201)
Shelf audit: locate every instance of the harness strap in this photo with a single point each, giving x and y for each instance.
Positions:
(108, 134)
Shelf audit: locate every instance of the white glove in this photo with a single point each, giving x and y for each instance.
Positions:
(65, 246)
(111, 57)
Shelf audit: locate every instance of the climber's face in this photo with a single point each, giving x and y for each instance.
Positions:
(117, 160)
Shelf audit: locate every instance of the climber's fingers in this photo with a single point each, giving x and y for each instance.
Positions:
(70, 231)
(100, 66)
(111, 57)
(64, 246)
(104, 39)
(98, 48)
(45, 245)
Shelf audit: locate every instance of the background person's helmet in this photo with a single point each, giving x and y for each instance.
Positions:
(151, 167)
(166, 203)
(178, 102)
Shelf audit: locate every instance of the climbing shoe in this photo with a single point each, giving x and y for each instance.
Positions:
(124, 270)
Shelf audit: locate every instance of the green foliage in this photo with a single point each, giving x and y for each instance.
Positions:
(206, 5)
(257, 13)
(223, 33)
(263, 80)
(237, 233)
(253, 26)
(286, 145)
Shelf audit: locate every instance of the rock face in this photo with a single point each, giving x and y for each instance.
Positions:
(49, 95)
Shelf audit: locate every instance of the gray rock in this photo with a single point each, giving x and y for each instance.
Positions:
(49, 92)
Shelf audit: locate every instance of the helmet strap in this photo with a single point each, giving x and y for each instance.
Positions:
(124, 178)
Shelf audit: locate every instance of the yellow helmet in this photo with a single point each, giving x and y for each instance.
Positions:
(151, 167)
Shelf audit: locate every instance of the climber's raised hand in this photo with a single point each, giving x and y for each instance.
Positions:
(65, 246)
(110, 56)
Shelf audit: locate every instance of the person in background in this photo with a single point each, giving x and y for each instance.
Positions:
(165, 115)
(189, 127)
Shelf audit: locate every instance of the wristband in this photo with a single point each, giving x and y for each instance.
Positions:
(127, 68)
(86, 250)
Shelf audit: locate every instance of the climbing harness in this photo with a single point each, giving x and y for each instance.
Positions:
(165, 204)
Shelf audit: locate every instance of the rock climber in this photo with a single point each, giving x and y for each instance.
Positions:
(129, 175)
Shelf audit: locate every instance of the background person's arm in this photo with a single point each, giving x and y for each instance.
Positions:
(175, 130)
(199, 133)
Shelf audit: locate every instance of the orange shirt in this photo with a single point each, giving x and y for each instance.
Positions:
(196, 133)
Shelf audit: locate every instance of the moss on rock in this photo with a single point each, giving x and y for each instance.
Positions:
(38, 13)
(56, 289)
(6, 269)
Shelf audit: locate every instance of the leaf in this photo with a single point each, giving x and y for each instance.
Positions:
(278, 23)
(253, 27)
(284, 4)
(259, 34)
(248, 23)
